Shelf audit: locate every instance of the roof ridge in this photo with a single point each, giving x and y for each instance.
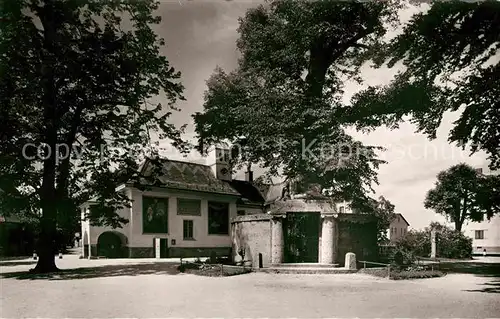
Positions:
(403, 218)
(178, 161)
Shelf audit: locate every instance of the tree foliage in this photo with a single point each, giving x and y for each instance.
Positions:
(450, 243)
(278, 106)
(462, 194)
(75, 79)
(450, 55)
(384, 210)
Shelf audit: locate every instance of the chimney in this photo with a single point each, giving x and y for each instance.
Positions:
(249, 176)
(479, 170)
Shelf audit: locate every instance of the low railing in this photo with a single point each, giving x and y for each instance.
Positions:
(364, 262)
(388, 266)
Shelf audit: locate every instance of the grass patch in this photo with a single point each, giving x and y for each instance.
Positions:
(395, 274)
(375, 271)
(416, 274)
(213, 270)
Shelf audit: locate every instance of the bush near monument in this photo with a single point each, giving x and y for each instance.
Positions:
(408, 273)
(402, 258)
(416, 274)
(450, 243)
(219, 269)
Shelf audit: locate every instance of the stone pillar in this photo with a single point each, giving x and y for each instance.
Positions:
(277, 240)
(433, 244)
(350, 261)
(328, 240)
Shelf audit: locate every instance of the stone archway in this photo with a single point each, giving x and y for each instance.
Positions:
(111, 244)
(301, 237)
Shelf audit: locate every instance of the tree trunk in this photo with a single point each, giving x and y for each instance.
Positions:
(464, 215)
(46, 250)
(458, 225)
(46, 244)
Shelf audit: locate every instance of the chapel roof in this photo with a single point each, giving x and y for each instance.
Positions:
(247, 190)
(184, 175)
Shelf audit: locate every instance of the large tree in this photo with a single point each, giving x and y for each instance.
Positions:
(451, 63)
(278, 106)
(461, 194)
(75, 79)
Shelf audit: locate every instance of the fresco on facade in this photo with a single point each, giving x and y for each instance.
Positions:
(155, 215)
(218, 218)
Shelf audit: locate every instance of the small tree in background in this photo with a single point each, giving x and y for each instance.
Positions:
(383, 209)
(462, 194)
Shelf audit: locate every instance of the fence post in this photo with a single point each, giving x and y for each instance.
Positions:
(221, 270)
(389, 272)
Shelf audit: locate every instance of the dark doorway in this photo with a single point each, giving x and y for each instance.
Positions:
(301, 232)
(163, 247)
(109, 245)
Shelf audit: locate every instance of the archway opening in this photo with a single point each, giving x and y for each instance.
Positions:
(111, 245)
(301, 235)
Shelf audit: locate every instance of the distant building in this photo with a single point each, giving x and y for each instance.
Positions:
(486, 234)
(398, 228)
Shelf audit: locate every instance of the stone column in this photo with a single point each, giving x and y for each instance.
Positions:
(328, 239)
(276, 240)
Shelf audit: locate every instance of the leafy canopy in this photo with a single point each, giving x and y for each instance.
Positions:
(75, 80)
(385, 211)
(278, 106)
(450, 55)
(463, 194)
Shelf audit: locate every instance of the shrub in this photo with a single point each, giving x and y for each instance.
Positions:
(402, 257)
(453, 244)
(409, 273)
(186, 266)
(416, 243)
(450, 243)
(416, 274)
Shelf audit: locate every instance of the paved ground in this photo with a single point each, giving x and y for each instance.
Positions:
(152, 291)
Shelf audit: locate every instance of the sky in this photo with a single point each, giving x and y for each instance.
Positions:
(201, 35)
